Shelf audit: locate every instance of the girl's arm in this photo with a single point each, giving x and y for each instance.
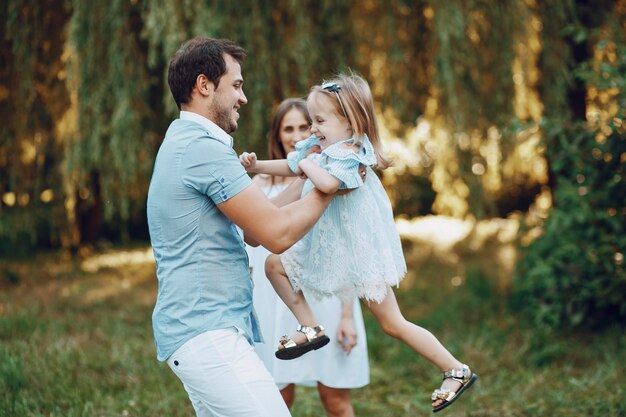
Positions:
(275, 167)
(322, 180)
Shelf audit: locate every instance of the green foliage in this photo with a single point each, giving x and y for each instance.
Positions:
(33, 97)
(573, 275)
(84, 100)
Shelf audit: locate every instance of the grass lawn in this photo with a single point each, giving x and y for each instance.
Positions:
(75, 340)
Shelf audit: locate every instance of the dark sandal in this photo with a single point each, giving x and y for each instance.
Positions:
(464, 376)
(292, 350)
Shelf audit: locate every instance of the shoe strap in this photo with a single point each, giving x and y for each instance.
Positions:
(460, 375)
(311, 333)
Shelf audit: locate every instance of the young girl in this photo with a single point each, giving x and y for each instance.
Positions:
(354, 248)
(341, 366)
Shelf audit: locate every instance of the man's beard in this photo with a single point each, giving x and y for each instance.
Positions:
(222, 116)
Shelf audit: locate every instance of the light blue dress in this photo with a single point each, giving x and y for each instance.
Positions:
(354, 249)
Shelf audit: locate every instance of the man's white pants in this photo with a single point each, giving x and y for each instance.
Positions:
(224, 377)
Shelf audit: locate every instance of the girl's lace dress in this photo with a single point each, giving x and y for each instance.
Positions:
(354, 248)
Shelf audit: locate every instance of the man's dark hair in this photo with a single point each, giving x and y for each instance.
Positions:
(200, 56)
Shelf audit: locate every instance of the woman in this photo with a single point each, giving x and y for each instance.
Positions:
(343, 364)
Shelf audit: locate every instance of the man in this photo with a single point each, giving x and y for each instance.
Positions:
(203, 320)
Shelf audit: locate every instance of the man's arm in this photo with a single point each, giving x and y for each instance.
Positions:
(276, 228)
(288, 195)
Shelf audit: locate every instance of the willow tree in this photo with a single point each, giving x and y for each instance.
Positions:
(86, 109)
(476, 46)
(33, 96)
(110, 154)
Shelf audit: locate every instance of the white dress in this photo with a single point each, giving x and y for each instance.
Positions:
(330, 365)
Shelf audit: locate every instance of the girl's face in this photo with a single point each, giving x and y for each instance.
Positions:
(328, 126)
(293, 128)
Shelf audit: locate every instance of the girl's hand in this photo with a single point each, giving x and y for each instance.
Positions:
(248, 160)
(300, 173)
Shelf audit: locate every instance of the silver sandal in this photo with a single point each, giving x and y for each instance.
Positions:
(292, 350)
(464, 376)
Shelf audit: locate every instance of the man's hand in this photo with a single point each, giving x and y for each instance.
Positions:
(362, 173)
(313, 149)
(248, 160)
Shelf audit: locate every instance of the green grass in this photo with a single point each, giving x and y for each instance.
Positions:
(76, 343)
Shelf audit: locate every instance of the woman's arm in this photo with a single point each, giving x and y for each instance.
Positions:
(322, 180)
(346, 332)
(289, 194)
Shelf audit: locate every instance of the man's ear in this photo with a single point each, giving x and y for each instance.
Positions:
(204, 86)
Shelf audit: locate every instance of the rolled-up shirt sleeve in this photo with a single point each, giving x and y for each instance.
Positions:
(213, 169)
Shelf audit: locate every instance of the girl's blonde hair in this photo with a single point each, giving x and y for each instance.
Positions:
(353, 101)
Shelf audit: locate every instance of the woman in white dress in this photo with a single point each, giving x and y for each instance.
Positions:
(343, 364)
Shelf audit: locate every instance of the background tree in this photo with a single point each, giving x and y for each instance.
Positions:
(573, 275)
(484, 104)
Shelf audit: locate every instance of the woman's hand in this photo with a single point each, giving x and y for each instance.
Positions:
(346, 333)
(248, 160)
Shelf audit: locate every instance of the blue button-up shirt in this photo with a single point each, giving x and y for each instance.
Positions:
(202, 266)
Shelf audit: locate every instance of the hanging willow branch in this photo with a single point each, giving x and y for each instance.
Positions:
(110, 158)
(85, 109)
(32, 97)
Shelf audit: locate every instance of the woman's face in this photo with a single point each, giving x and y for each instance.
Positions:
(293, 128)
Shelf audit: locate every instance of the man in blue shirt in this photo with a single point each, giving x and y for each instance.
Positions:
(203, 321)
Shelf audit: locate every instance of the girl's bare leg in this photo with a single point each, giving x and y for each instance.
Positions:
(294, 300)
(388, 314)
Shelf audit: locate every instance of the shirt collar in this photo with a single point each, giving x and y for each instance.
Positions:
(213, 129)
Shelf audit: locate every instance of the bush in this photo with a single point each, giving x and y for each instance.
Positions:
(573, 275)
